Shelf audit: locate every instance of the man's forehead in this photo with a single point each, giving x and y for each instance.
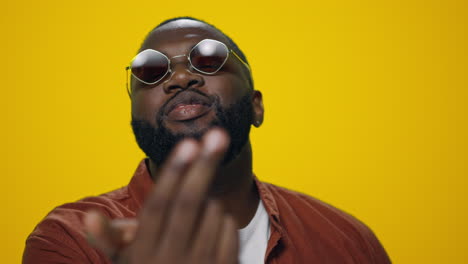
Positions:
(181, 31)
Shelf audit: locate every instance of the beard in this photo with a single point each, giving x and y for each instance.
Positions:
(236, 119)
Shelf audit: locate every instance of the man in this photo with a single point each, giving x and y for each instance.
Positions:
(195, 198)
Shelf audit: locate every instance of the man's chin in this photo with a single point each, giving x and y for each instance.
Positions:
(195, 132)
(157, 142)
(190, 128)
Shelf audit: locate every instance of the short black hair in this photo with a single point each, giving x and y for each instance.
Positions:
(230, 41)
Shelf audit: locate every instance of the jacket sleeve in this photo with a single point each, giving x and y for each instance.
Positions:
(61, 240)
(45, 250)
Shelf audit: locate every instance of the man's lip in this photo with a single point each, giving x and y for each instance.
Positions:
(186, 112)
(187, 98)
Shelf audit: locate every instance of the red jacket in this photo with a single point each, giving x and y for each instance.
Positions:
(303, 229)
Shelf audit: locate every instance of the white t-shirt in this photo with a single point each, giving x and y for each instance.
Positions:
(254, 237)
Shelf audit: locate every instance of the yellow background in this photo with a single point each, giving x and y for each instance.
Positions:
(365, 108)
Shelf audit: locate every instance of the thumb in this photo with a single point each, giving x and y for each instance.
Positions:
(126, 227)
(107, 235)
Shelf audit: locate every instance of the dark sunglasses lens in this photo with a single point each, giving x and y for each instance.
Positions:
(150, 66)
(209, 56)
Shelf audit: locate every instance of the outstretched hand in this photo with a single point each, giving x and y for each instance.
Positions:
(178, 223)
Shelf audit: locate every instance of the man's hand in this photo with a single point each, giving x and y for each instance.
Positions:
(178, 222)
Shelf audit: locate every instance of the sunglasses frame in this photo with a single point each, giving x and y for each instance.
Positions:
(169, 68)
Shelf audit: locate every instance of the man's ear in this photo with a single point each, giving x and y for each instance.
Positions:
(258, 110)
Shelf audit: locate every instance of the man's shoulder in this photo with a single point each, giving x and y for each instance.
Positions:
(315, 214)
(298, 201)
(60, 234)
(68, 216)
(312, 223)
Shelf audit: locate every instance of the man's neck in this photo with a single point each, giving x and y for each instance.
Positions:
(234, 186)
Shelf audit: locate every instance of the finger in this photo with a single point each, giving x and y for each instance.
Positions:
(206, 237)
(193, 191)
(154, 211)
(127, 228)
(228, 242)
(100, 234)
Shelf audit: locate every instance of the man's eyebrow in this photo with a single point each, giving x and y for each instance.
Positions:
(190, 48)
(184, 54)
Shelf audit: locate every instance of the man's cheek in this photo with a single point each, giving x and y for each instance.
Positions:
(143, 108)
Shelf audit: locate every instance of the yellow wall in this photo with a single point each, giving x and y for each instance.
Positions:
(365, 108)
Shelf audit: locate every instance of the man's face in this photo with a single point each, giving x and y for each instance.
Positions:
(187, 103)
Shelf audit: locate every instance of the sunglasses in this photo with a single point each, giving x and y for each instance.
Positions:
(207, 56)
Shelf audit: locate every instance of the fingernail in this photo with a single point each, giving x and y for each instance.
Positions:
(213, 140)
(186, 150)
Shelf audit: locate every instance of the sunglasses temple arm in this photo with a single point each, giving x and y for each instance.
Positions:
(126, 82)
(241, 60)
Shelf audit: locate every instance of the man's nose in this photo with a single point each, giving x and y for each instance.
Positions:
(182, 78)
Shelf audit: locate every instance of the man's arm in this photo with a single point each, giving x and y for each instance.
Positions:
(46, 249)
(178, 223)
